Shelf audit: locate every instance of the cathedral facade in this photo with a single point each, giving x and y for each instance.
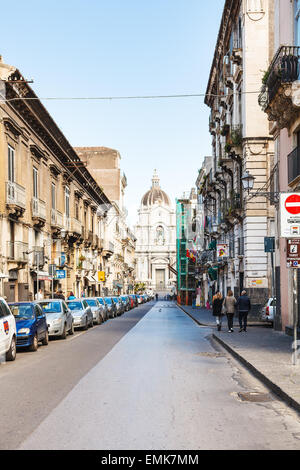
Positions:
(156, 240)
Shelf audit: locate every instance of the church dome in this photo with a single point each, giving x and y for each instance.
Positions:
(155, 194)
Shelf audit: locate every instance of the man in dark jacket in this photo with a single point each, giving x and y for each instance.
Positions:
(59, 295)
(244, 306)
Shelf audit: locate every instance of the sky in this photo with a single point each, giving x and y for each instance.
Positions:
(103, 48)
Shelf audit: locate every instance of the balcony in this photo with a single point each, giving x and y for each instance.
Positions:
(294, 166)
(17, 252)
(38, 208)
(76, 226)
(56, 219)
(38, 257)
(66, 222)
(108, 249)
(15, 199)
(279, 94)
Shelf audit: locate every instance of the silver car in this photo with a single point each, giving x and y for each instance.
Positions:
(119, 305)
(97, 309)
(81, 312)
(111, 307)
(105, 307)
(59, 317)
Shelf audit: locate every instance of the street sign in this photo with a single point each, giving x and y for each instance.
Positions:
(290, 215)
(269, 244)
(60, 274)
(293, 253)
(101, 276)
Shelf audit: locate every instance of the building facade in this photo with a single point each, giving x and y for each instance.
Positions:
(241, 142)
(104, 164)
(52, 210)
(279, 99)
(156, 240)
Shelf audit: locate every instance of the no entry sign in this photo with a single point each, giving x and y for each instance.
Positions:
(292, 204)
(290, 215)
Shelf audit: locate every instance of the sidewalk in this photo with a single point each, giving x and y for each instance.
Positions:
(206, 318)
(265, 352)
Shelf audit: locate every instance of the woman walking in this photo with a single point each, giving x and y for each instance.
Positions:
(229, 305)
(217, 309)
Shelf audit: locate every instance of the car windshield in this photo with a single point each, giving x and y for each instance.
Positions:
(74, 305)
(101, 301)
(51, 307)
(92, 302)
(107, 300)
(22, 311)
(124, 298)
(116, 299)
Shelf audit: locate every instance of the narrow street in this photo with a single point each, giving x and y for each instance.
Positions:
(151, 379)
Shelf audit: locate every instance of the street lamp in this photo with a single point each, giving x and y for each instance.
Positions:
(248, 181)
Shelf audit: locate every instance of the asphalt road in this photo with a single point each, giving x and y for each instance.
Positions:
(165, 385)
(33, 385)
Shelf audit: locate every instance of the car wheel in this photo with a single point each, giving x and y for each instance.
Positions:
(11, 353)
(86, 324)
(46, 339)
(34, 344)
(71, 330)
(64, 333)
(91, 323)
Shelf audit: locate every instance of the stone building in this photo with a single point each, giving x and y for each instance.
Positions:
(49, 202)
(104, 164)
(156, 240)
(241, 143)
(280, 100)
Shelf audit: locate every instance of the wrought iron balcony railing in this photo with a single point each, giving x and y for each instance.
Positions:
(284, 69)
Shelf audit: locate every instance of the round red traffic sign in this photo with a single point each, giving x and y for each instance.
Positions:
(292, 204)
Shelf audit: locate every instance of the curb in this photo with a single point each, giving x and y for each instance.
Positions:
(259, 375)
(263, 378)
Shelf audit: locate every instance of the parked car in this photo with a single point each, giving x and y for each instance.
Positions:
(8, 332)
(139, 299)
(31, 324)
(59, 317)
(105, 307)
(97, 310)
(132, 301)
(119, 305)
(134, 296)
(111, 306)
(81, 312)
(267, 312)
(127, 302)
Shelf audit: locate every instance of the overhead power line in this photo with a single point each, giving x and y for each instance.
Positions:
(108, 98)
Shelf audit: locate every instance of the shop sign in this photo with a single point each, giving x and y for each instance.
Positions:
(101, 276)
(60, 274)
(293, 253)
(222, 250)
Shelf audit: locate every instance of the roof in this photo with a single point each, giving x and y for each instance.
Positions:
(155, 194)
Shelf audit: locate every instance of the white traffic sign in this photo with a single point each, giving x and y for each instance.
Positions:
(290, 215)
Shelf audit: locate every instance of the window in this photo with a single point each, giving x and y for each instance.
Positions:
(4, 310)
(11, 164)
(297, 22)
(53, 196)
(35, 183)
(77, 210)
(67, 201)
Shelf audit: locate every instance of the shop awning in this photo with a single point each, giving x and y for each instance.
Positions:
(43, 275)
(90, 279)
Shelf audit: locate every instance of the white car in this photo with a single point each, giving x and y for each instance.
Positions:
(7, 332)
(267, 312)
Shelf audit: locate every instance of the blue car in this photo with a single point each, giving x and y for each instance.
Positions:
(31, 324)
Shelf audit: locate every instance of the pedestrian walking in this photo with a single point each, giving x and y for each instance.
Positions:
(39, 295)
(156, 296)
(229, 307)
(59, 295)
(244, 307)
(217, 309)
